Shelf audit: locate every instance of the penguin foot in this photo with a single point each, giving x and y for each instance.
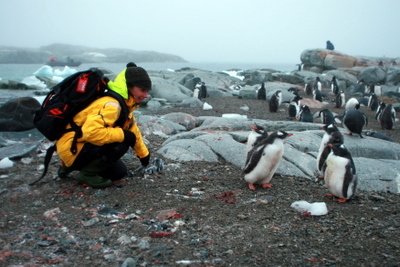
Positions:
(341, 200)
(348, 133)
(329, 195)
(266, 185)
(252, 187)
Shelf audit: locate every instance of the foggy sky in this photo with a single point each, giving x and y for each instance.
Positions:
(208, 30)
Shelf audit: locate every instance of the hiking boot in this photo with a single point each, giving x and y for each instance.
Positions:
(93, 180)
(63, 172)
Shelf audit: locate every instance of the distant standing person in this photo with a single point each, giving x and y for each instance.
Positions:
(329, 45)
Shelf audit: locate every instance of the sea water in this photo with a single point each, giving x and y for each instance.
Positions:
(18, 72)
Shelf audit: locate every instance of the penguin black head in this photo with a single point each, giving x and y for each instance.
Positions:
(258, 129)
(330, 128)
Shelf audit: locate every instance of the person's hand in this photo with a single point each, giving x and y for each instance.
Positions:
(129, 138)
(145, 161)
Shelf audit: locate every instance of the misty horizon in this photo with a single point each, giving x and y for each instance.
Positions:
(207, 30)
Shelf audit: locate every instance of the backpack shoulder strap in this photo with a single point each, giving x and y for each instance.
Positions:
(124, 109)
(49, 153)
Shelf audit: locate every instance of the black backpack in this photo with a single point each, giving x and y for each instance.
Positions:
(67, 99)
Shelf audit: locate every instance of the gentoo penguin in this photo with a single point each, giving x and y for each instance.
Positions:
(334, 86)
(203, 91)
(317, 95)
(373, 102)
(388, 117)
(261, 93)
(363, 101)
(352, 103)
(340, 172)
(308, 89)
(275, 101)
(305, 114)
(353, 121)
(294, 107)
(378, 135)
(326, 116)
(331, 135)
(257, 134)
(317, 84)
(379, 111)
(293, 90)
(340, 100)
(369, 89)
(263, 160)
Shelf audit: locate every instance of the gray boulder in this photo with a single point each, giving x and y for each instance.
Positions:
(171, 91)
(393, 76)
(186, 120)
(287, 78)
(373, 75)
(17, 114)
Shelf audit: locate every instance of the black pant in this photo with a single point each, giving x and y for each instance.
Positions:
(109, 156)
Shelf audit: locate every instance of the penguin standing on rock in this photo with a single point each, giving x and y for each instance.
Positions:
(373, 102)
(317, 95)
(340, 172)
(261, 93)
(263, 160)
(334, 86)
(257, 134)
(379, 111)
(294, 107)
(275, 101)
(388, 117)
(305, 114)
(308, 89)
(354, 121)
(326, 116)
(340, 100)
(331, 135)
(352, 103)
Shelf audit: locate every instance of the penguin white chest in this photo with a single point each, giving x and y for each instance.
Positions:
(267, 164)
(335, 173)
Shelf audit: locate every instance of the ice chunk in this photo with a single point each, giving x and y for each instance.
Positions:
(234, 116)
(316, 208)
(207, 106)
(6, 163)
(44, 71)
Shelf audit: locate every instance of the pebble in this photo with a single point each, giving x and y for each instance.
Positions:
(91, 222)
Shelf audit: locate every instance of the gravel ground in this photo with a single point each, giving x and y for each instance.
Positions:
(192, 214)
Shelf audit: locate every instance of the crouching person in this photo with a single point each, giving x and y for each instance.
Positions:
(102, 143)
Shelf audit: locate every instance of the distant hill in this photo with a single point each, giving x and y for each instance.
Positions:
(19, 55)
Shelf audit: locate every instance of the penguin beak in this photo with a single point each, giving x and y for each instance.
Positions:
(253, 127)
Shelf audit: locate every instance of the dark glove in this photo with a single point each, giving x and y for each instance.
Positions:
(145, 161)
(129, 138)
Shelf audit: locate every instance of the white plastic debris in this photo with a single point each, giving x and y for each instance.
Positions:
(234, 116)
(207, 106)
(6, 163)
(315, 209)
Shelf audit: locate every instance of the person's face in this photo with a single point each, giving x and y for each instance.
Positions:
(139, 94)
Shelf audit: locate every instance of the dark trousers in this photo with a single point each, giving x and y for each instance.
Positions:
(108, 156)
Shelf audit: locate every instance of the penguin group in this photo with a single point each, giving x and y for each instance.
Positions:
(334, 161)
(263, 154)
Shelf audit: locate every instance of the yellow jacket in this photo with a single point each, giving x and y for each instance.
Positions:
(98, 121)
